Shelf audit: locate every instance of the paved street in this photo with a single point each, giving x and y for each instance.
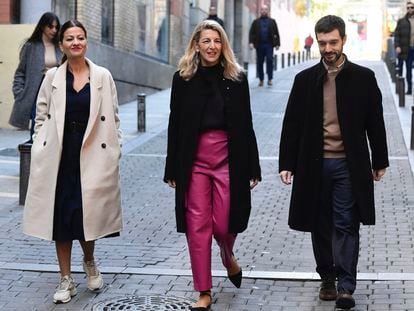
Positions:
(150, 258)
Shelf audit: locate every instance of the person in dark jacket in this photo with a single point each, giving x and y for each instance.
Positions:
(212, 15)
(404, 44)
(333, 108)
(264, 36)
(38, 54)
(212, 155)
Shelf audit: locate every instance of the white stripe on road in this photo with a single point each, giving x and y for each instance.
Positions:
(147, 155)
(273, 275)
(9, 162)
(9, 195)
(9, 177)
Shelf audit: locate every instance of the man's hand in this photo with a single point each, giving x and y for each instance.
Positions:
(277, 47)
(398, 50)
(251, 45)
(286, 177)
(377, 174)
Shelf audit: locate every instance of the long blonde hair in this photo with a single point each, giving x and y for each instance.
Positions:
(189, 62)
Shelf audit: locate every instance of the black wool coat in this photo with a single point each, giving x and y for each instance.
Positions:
(188, 99)
(360, 116)
(402, 35)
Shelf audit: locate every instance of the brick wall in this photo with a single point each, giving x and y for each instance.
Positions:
(5, 11)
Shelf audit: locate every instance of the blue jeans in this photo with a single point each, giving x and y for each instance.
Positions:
(336, 237)
(264, 51)
(408, 67)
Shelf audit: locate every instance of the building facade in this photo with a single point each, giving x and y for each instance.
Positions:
(139, 41)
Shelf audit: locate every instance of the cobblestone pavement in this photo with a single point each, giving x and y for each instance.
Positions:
(151, 258)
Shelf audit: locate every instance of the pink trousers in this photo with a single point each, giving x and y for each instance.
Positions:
(208, 207)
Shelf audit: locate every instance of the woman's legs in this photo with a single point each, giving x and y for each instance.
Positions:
(64, 252)
(66, 288)
(221, 214)
(94, 276)
(88, 250)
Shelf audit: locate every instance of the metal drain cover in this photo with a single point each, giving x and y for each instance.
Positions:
(147, 303)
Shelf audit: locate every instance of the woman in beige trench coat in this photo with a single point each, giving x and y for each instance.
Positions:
(65, 201)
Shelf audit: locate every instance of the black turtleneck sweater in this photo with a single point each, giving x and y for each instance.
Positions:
(213, 117)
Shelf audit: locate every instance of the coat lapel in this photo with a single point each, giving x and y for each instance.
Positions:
(96, 97)
(59, 99)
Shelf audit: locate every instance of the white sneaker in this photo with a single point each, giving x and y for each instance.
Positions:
(93, 275)
(65, 290)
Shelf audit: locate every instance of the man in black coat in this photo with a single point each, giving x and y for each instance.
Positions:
(212, 14)
(404, 44)
(264, 36)
(333, 108)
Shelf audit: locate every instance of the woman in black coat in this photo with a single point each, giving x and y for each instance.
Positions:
(212, 157)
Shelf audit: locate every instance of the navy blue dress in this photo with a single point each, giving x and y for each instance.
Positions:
(68, 216)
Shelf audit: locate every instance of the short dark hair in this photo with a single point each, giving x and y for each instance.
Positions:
(329, 23)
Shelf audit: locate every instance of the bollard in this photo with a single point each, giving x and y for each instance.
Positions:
(141, 112)
(288, 61)
(283, 60)
(246, 67)
(294, 59)
(397, 84)
(299, 57)
(303, 56)
(412, 128)
(25, 156)
(401, 90)
(275, 62)
(394, 72)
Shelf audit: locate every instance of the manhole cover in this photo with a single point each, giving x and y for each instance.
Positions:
(147, 303)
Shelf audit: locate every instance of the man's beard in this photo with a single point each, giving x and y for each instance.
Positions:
(336, 58)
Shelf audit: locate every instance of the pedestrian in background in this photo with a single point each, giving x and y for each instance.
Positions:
(333, 108)
(38, 54)
(212, 156)
(308, 46)
(264, 36)
(213, 16)
(73, 191)
(404, 44)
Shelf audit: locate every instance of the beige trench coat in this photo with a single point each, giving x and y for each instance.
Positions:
(99, 157)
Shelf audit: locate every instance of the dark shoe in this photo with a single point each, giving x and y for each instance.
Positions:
(408, 92)
(269, 83)
(327, 290)
(207, 308)
(261, 83)
(236, 279)
(345, 300)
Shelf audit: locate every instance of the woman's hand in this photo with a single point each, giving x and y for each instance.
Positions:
(171, 183)
(253, 183)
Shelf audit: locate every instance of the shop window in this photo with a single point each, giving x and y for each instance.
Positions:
(153, 28)
(107, 22)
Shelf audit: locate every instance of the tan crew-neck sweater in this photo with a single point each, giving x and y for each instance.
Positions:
(333, 146)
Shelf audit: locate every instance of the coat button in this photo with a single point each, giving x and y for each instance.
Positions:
(48, 116)
(103, 118)
(228, 88)
(44, 143)
(103, 145)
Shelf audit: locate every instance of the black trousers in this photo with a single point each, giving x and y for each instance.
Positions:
(336, 239)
